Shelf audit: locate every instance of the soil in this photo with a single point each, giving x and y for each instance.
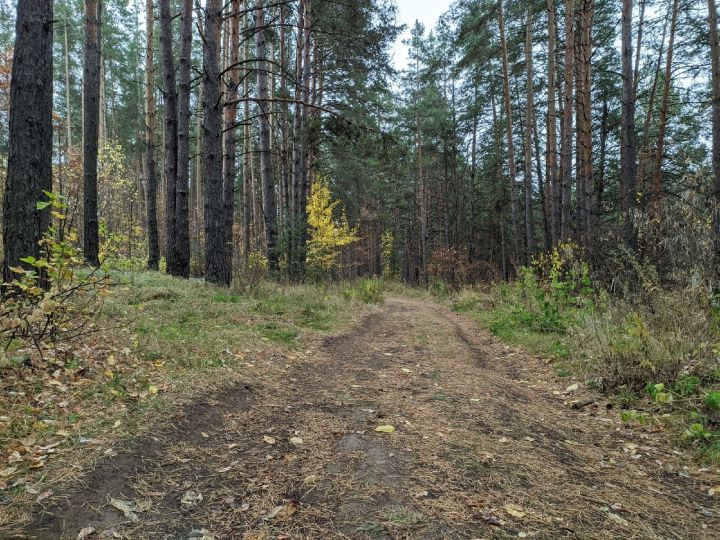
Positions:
(486, 444)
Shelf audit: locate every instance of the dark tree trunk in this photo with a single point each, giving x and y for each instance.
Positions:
(153, 242)
(182, 215)
(587, 197)
(266, 163)
(508, 132)
(657, 187)
(229, 166)
(216, 271)
(247, 205)
(91, 106)
(715, 79)
(29, 165)
(567, 123)
(627, 131)
(551, 157)
(296, 254)
(529, 221)
(171, 137)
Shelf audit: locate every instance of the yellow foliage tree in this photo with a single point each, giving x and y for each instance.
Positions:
(328, 234)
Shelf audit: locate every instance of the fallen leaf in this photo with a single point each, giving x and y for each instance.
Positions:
(190, 499)
(126, 507)
(617, 519)
(87, 531)
(44, 496)
(296, 441)
(152, 389)
(572, 388)
(421, 494)
(385, 429)
(715, 491)
(284, 511)
(8, 472)
(492, 520)
(406, 370)
(268, 439)
(514, 510)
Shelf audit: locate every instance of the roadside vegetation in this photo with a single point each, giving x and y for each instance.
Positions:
(140, 342)
(653, 350)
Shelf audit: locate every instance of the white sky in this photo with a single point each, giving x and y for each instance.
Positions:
(426, 11)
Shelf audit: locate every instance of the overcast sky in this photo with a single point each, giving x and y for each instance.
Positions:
(426, 11)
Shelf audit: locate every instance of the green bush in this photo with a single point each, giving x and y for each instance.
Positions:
(369, 291)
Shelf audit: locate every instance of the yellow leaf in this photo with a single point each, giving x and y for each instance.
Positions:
(296, 441)
(268, 439)
(108, 374)
(514, 510)
(39, 425)
(385, 429)
(8, 472)
(152, 389)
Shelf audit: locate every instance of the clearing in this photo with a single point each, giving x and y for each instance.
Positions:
(486, 444)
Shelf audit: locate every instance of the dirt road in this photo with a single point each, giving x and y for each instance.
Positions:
(485, 446)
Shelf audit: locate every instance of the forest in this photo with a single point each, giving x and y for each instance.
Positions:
(293, 286)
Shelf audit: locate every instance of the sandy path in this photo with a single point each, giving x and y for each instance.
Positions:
(484, 447)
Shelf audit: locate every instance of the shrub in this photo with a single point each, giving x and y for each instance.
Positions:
(370, 291)
(53, 298)
(252, 273)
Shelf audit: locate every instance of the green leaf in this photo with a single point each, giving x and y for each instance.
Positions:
(42, 205)
(713, 400)
(29, 260)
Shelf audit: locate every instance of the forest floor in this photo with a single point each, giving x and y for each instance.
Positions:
(486, 444)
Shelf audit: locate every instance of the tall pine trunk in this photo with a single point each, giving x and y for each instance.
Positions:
(657, 188)
(151, 125)
(508, 132)
(182, 216)
(231, 92)
(715, 81)
(551, 149)
(91, 106)
(587, 196)
(217, 270)
(627, 131)
(529, 221)
(171, 132)
(567, 123)
(266, 163)
(29, 164)
(247, 205)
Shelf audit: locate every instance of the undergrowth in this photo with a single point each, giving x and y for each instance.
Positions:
(655, 353)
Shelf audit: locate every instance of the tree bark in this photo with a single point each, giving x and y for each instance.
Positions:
(151, 125)
(91, 106)
(231, 93)
(567, 123)
(551, 174)
(662, 124)
(247, 214)
(171, 137)
(508, 132)
(182, 217)
(29, 164)
(296, 255)
(217, 270)
(715, 82)
(628, 150)
(529, 221)
(587, 196)
(266, 163)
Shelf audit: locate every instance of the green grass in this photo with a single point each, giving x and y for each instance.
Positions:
(196, 325)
